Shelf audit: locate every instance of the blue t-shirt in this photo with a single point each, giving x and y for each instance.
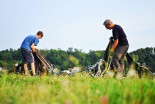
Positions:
(28, 41)
(118, 33)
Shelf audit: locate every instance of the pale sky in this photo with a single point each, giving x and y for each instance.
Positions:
(76, 23)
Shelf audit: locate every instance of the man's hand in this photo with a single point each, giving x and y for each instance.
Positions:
(36, 49)
(111, 38)
(113, 48)
(33, 48)
(114, 45)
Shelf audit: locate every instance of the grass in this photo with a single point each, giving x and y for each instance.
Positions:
(78, 89)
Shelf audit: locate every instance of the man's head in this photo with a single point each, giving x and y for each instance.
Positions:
(108, 24)
(39, 34)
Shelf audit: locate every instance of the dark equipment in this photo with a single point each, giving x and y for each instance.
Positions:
(41, 65)
(104, 65)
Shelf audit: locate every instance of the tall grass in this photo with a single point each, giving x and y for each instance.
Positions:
(78, 89)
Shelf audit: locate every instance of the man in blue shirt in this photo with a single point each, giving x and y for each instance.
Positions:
(120, 45)
(27, 47)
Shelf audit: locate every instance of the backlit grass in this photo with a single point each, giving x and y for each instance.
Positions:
(78, 89)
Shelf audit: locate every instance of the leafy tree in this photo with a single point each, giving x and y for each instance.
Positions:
(74, 57)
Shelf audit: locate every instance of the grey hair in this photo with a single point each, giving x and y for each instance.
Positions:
(107, 22)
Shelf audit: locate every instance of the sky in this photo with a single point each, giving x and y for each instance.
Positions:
(76, 23)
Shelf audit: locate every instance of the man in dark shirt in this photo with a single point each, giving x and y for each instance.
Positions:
(120, 45)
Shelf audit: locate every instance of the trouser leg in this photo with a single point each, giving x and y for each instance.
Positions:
(118, 57)
(115, 61)
(123, 56)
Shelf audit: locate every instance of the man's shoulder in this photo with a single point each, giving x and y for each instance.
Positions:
(31, 37)
(117, 26)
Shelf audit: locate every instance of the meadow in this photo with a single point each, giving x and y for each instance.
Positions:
(78, 89)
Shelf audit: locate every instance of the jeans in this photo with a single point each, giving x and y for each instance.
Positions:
(118, 57)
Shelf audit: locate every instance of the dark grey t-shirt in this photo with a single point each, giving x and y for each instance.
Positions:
(119, 34)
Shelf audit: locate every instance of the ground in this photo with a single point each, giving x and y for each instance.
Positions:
(78, 89)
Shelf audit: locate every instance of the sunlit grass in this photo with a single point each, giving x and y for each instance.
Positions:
(78, 89)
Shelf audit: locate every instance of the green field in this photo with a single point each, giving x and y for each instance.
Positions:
(78, 89)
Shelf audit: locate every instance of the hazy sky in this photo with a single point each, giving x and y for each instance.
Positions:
(76, 23)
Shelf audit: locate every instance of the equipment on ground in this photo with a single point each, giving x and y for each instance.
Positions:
(41, 65)
(102, 67)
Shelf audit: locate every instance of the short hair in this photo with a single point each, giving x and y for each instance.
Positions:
(107, 22)
(40, 33)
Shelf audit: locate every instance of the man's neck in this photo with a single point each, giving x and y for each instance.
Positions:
(112, 26)
(37, 36)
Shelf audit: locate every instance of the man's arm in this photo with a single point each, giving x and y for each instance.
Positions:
(32, 47)
(114, 45)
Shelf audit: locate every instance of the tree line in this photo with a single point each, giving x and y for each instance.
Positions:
(75, 58)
